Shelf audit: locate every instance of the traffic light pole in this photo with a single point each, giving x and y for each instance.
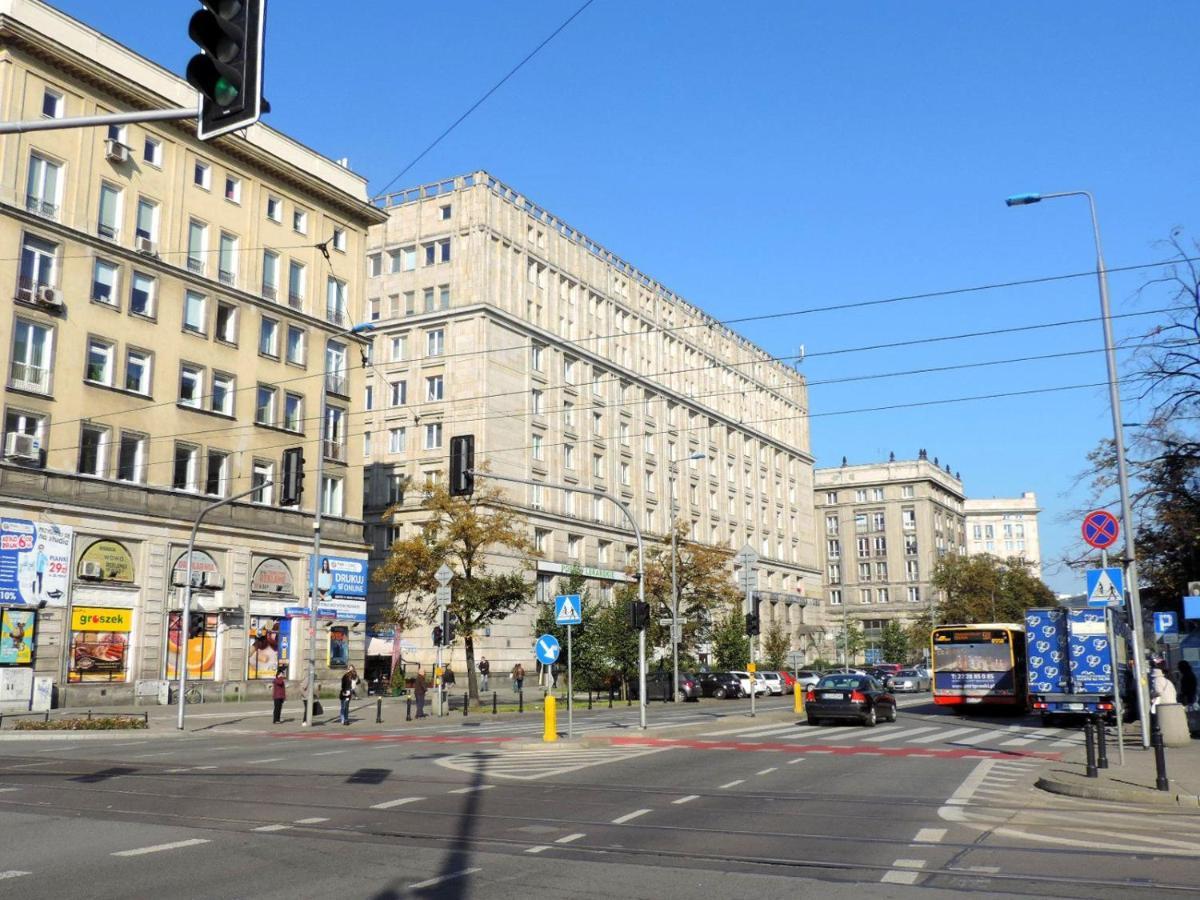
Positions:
(129, 118)
(753, 668)
(641, 567)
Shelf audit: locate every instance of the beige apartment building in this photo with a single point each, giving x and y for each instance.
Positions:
(571, 366)
(1005, 527)
(885, 525)
(176, 316)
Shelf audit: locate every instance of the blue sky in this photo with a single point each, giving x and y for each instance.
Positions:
(768, 157)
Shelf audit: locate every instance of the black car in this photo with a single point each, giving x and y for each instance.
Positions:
(859, 697)
(658, 686)
(721, 685)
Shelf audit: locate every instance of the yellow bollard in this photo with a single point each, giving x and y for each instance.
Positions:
(798, 690)
(551, 732)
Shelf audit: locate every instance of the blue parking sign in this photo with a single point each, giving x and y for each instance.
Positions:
(1166, 623)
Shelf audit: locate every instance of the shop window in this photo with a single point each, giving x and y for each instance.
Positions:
(201, 646)
(339, 647)
(268, 648)
(99, 645)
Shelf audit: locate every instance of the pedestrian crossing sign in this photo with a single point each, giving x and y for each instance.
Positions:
(567, 610)
(1105, 587)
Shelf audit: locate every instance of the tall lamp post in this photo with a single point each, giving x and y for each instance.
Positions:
(674, 586)
(1114, 399)
(319, 506)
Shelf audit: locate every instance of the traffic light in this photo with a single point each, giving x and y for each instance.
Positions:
(639, 615)
(228, 72)
(293, 477)
(752, 624)
(437, 635)
(448, 631)
(462, 464)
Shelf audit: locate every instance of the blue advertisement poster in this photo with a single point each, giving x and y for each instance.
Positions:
(347, 577)
(35, 562)
(1046, 633)
(1091, 655)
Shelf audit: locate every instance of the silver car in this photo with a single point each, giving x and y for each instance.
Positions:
(774, 682)
(910, 681)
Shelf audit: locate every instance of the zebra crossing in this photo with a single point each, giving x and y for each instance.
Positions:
(534, 763)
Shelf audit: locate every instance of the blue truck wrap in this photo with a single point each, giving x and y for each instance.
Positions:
(1070, 661)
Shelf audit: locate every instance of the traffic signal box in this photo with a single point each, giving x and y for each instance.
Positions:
(228, 72)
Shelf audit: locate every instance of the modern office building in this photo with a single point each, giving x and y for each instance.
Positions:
(571, 366)
(884, 526)
(176, 319)
(1005, 527)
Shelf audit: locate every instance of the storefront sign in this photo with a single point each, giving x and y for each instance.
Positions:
(114, 561)
(205, 571)
(584, 571)
(97, 618)
(349, 576)
(99, 644)
(35, 562)
(16, 636)
(272, 577)
(339, 608)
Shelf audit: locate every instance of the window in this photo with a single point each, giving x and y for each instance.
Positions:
(624, 473)
(335, 300)
(193, 312)
(569, 415)
(434, 387)
(226, 323)
(183, 476)
(864, 571)
(109, 212)
(908, 519)
(339, 239)
(274, 209)
(137, 371)
(864, 595)
(864, 547)
(881, 572)
(833, 573)
(227, 258)
(977, 532)
(444, 212)
(435, 342)
(397, 440)
(910, 546)
(912, 569)
(191, 385)
(295, 284)
(860, 496)
(270, 275)
(541, 540)
(262, 476)
(141, 294)
(906, 491)
(202, 175)
(93, 447)
(293, 412)
(831, 497)
(877, 493)
(52, 104)
(433, 436)
(574, 545)
(537, 351)
(374, 265)
(877, 521)
(197, 246)
(104, 282)
(131, 457)
(831, 524)
(880, 545)
(268, 337)
(216, 478)
(835, 598)
(536, 398)
(568, 456)
(39, 265)
(408, 259)
(43, 187)
(914, 595)
(535, 444)
(598, 466)
(399, 348)
(145, 225)
(366, 445)
(833, 549)
(99, 368)
(399, 393)
(623, 431)
(300, 221)
(233, 189)
(30, 424)
(264, 405)
(597, 423)
(568, 371)
(221, 398)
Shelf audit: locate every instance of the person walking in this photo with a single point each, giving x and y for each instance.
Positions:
(518, 677)
(420, 686)
(1187, 684)
(278, 694)
(1162, 691)
(485, 669)
(344, 695)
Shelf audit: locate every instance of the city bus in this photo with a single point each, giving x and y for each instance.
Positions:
(979, 665)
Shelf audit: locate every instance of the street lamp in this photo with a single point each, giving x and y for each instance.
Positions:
(1114, 398)
(315, 564)
(674, 586)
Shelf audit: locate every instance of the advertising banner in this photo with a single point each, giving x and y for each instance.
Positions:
(113, 559)
(16, 637)
(976, 669)
(1091, 655)
(1046, 633)
(35, 562)
(201, 645)
(266, 654)
(99, 644)
(349, 576)
(337, 608)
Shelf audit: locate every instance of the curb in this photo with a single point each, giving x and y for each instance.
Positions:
(69, 735)
(1117, 795)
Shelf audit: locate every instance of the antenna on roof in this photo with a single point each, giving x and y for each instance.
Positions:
(800, 356)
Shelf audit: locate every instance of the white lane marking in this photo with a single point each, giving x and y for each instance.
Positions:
(328, 752)
(688, 799)
(468, 790)
(985, 870)
(1032, 736)
(8, 790)
(897, 735)
(833, 734)
(967, 789)
(158, 848)
(13, 873)
(432, 881)
(261, 762)
(749, 730)
(203, 768)
(538, 849)
(315, 820)
(767, 771)
(930, 835)
(908, 876)
(621, 820)
(792, 762)
(570, 837)
(978, 738)
(943, 735)
(388, 804)
(732, 784)
(272, 827)
(50, 762)
(156, 753)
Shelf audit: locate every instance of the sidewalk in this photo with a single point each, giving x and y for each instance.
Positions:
(1135, 781)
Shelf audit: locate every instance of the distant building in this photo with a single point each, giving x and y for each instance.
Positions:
(883, 527)
(1005, 527)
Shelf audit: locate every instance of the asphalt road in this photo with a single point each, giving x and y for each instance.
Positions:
(713, 804)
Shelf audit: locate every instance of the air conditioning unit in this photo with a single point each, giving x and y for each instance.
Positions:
(212, 580)
(91, 570)
(115, 151)
(48, 296)
(179, 578)
(145, 245)
(20, 446)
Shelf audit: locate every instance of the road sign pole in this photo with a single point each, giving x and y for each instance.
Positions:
(753, 670)
(1117, 702)
(570, 691)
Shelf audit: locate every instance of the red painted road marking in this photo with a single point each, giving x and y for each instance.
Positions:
(399, 738)
(927, 752)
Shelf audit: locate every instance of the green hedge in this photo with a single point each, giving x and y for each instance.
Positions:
(103, 723)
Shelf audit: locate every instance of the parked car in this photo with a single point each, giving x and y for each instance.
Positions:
(774, 682)
(858, 697)
(882, 669)
(788, 679)
(721, 685)
(910, 681)
(808, 677)
(843, 670)
(658, 685)
(750, 683)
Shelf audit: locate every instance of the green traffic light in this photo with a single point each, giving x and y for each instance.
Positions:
(225, 91)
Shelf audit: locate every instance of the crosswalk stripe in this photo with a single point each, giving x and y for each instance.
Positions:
(1032, 736)
(897, 735)
(942, 736)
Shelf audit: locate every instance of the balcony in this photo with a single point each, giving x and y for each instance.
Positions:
(336, 315)
(295, 301)
(270, 292)
(28, 377)
(227, 277)
(335, 450)
(40, 207)
(195, 266)
(336, 384)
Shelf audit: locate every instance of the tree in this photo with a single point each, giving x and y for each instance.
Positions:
(986, 589)
(460, 532)
(917, 634)
(893, 642)
(776, 644)
(849, 642)
(730, 643)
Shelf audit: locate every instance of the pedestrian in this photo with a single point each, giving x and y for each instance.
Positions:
(1187, 684)
(419, 688)
(484, 669)
(1162, 691)
(448, 676)
(278, 693)
(553, 676)
(346, 692)
(518, 677)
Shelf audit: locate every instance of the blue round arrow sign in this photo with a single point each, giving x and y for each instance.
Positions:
(547, 649)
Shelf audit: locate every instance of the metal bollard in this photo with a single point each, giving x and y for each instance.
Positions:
(1090, 739)
(378, 710)
(1101, 744)
(520, 701)
(1161, 782)
(550, 729)
(408, 710)
(797, 698)
(494, 708)
(466, 702)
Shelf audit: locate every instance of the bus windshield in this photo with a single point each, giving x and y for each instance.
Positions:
(975, 663)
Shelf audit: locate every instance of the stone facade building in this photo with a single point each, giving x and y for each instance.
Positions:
(571, 366)
(174, 309)
(1005, 527)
